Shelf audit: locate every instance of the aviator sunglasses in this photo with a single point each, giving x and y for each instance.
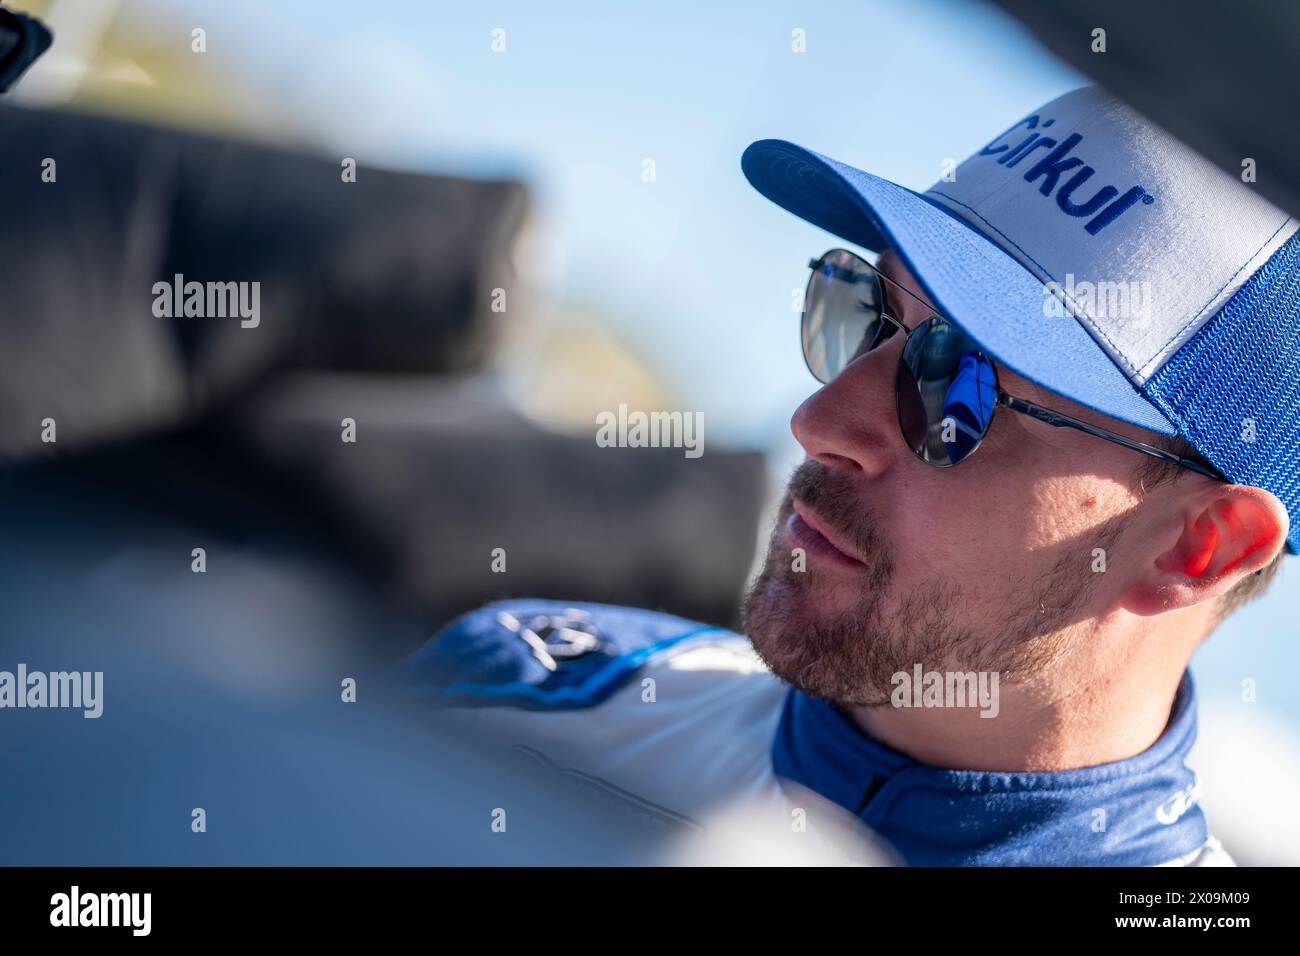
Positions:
(946, 390)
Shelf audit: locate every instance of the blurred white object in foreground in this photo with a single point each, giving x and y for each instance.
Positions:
(804, 830)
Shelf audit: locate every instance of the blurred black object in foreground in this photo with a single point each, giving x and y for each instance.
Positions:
(392, 272)
(374, 306)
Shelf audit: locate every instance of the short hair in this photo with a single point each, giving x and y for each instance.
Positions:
(1153, 473)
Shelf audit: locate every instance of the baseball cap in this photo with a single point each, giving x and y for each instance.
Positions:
(1096, 255)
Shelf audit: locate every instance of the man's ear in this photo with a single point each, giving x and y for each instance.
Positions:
(1218, 536)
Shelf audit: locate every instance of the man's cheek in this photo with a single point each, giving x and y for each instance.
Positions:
(928, 538)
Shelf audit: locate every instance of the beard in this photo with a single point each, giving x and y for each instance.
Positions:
(849, 656)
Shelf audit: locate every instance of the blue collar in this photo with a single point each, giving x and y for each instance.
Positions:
(1135, 812)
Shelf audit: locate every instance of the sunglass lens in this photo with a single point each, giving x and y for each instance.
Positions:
(841, 317)
(946, 391)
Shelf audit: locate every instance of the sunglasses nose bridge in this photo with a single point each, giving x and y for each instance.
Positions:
(901, 330)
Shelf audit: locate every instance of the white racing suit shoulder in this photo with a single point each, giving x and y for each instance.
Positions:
(685, 739)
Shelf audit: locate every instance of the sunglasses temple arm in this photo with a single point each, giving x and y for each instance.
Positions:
(1060, 420)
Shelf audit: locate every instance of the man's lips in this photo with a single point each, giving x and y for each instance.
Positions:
(805, 530)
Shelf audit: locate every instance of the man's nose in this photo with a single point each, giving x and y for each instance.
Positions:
(852, 422)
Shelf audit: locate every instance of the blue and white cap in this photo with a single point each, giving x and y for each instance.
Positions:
(1096, 255)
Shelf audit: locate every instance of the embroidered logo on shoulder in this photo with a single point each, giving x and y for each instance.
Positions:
(556, 639)
(1173, 809)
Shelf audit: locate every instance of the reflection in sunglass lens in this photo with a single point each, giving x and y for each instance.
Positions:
(841, 316)
(946, 391)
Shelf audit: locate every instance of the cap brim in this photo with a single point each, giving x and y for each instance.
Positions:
(997, 301)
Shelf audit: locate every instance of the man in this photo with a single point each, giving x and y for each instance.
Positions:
(1056, 443)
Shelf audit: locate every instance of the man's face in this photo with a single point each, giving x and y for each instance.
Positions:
(986, 566)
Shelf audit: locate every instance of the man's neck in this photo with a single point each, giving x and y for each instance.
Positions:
(1082, 711)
